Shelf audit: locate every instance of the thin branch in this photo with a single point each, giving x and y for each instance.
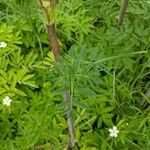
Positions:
(123, 7)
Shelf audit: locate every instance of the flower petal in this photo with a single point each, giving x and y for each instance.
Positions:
(110, 130)
(114, 128)
(111, 134)
(7, 97)
(117, 131)
(115, 135)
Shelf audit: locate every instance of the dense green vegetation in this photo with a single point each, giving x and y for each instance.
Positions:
(104, 66)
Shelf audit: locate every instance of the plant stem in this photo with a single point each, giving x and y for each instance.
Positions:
(68, 99)
(56, 51)
(45, 10)
(123, 7)
(51, 28)
(52, 4)
(53, 40)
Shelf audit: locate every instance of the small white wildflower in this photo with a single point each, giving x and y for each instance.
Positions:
(113, 132)
(3, 44)
(127, 124)
(6, 101)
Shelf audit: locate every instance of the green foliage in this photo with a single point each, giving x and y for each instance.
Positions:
(73, 21)
(103, 65)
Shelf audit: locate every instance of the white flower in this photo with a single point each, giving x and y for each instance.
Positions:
(3, 44)
(7, 101)
(113, 132)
